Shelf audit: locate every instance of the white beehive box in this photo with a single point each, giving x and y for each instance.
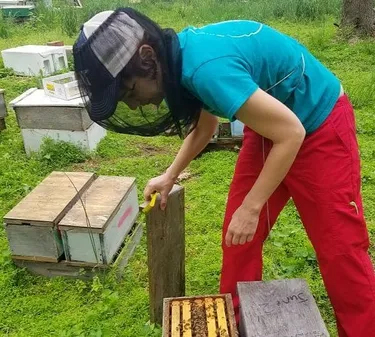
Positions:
(40, 116)
(64, 86)
(31, 60)
(96, 226)
(31, 226)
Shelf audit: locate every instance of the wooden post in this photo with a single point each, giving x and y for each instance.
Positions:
(3, 110)
(279, 308)
(166, 252)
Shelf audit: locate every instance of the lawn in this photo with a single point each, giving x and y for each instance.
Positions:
(36, 306)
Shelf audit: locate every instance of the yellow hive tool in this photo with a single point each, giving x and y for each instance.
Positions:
(151, 204)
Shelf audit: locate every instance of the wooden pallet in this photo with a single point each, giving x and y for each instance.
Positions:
(86, 270)
(203, 316)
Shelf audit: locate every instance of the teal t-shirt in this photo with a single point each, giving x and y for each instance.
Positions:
(223, 64)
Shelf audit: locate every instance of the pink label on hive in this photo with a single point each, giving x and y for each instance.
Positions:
(127, 212)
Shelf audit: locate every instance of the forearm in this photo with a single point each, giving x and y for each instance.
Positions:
(275, 168)
(194, 143)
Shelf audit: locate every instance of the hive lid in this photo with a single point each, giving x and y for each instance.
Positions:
(36, 97)
(48, 202)
(39, 49)
(100, 203)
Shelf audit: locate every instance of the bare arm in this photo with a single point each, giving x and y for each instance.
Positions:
(194, 143)
(273, 120)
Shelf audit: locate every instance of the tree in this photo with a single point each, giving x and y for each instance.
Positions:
(360, 16)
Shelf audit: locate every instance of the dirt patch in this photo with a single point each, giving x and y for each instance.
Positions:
(150, 150)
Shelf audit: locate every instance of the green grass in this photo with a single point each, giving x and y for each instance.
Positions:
(36, 306)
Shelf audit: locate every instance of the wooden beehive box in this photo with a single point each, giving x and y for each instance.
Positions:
(31, 226)
(40, 116)
(279, 308)
(95, 227)
(204, 316)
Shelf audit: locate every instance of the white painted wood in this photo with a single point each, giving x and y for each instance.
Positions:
(11, 2)
(87, 140)
(63, 86)
(121, 224)
(31, 60)
(77, 243)
(81, 247)
(37, 97)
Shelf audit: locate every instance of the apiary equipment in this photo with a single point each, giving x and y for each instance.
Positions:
(40, 116)
(279, 308)
(31, 226)
(200, 316)
(64, 86)
(33, 60)
(94, 228)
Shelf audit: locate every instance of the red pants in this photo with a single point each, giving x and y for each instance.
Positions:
(324, 182)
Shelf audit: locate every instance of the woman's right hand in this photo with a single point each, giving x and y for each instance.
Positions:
(162, 184)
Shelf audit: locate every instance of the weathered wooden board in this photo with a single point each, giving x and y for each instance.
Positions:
(53, 118)
(47, 203)
(280, 308)
(93, 231)
(166, 251)
(35, 243)
(101, 202)
(199, 316)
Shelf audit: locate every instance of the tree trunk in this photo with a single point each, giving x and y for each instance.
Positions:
(359, 15)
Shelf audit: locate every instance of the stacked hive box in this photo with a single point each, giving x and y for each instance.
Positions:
(40, 116)
(93, 214)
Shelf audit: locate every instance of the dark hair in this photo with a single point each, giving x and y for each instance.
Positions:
(183, 106)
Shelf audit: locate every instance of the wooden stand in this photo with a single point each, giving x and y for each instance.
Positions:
(166, 252)
(279, 308)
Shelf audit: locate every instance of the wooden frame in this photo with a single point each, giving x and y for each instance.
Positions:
(185, 316)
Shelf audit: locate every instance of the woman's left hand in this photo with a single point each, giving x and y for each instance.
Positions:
(242, 226)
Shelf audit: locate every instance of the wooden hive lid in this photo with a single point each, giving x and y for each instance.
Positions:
(48, 202)
(101, 201)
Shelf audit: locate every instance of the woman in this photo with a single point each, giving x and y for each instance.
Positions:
(299, 137)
